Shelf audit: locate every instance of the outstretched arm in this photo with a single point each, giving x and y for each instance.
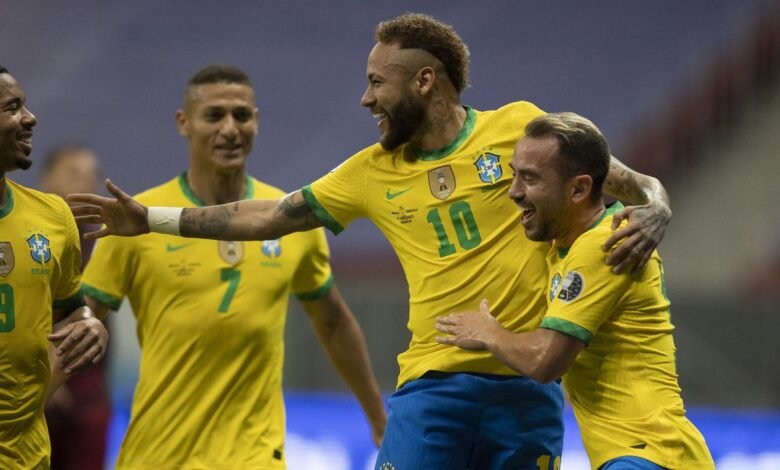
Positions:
(342, 338)
(648, 216)
(242, 220)
(544, 355)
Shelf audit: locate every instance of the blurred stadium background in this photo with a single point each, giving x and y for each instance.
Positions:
(687, 91)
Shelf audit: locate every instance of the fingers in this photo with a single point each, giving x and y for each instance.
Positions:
(484, 307)
(645, 258)
(97, 234)
(60, 334)
(117, 192)
(90, 199)
(89, 219)
(91, 356)
(446, 340)
(634, 251)
(618, 235)
(621, 216)
(449, 329)
(85, 210)
(448, 320)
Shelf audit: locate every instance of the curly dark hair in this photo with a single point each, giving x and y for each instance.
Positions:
(419, 31)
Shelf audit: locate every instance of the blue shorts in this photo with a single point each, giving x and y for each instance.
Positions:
(459, 421)
(630, 463)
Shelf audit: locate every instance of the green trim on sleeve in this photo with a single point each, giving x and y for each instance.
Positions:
(568, 328)
(465, 131)
(71, 303)
(319, 293)
(8, 205)
(108, 299)
(320, 211)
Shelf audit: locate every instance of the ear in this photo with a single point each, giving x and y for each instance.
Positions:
(580, 188)
(424, 80)
(181, 122)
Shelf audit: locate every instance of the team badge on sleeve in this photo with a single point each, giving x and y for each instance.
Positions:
(556, 283)
(489, 169)
(572, 286)
(6, 258)
(39, 248)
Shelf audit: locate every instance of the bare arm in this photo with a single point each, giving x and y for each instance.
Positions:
(648, 217)
(243, 220)
(342, 338)
(544, 355)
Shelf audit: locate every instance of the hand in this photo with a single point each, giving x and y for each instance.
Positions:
(470, 330)
(122, 216)
(378, 429)
(80, 339)
(639, 238)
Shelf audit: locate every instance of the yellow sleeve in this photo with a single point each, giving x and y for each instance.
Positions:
(584, 293)
(339, 197)
(66, 293)
(110, 271)
(313, 277)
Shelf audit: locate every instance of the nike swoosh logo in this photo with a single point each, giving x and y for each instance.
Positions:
(171, 248)
(390, 196)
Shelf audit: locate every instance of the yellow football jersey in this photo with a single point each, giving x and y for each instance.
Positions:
(40, 259)
(454, 229)
(623, 385)
(211, 319)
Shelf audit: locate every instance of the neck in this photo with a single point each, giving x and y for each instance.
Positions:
(581, 220)
(216, 188)
(2, 189)
(444, 122)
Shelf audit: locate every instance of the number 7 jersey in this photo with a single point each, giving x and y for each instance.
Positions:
(455, 230)
(211, 321)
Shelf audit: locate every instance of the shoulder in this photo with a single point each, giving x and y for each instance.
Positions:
(161, 194)
(47, 203)
(510, 118)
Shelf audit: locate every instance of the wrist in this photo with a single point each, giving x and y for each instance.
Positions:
(164, 219)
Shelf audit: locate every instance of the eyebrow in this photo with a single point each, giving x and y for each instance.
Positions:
(13, 100)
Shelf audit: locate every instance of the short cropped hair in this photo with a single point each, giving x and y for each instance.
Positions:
(219, 73)
(418, 31)
(3, 70)
(582, 148)
(56, 154)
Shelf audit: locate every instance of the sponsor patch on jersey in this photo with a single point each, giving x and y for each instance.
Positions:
(556, 283)
(489, 168)
(6, 258)
(39, 248)
(441, 181)
(272, 248)
(571, 287)
(231, 252)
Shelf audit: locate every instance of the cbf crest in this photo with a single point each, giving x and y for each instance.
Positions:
(39, 248)
(272, 248)
(441, 180)
(489, 167)
(556, 283)
(6, 258)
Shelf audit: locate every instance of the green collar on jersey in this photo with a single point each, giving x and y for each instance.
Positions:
(610, 210)
(185, 188)
(465, 131)
(8, 205)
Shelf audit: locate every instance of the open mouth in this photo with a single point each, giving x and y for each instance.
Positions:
(528, 214)
(25, 139)
(381, 118)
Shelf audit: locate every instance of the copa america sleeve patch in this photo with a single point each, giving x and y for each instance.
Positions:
(571, 287)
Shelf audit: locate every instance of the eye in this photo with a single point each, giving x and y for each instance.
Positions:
(214, 115)
(243, 115)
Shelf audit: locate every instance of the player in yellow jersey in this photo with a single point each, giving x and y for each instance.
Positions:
(435, 186)
(40, 275)
(609, 333)
(211, 314)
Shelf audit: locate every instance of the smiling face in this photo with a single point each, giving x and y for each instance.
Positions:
(390, 95)
(538, 188)
(16, 126)
(221, 121)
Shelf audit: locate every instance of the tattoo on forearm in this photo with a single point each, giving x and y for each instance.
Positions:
(206, 223)
(622, 184)
(293, 210)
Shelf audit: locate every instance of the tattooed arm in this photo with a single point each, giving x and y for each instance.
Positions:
(243, 220)
(647, 218)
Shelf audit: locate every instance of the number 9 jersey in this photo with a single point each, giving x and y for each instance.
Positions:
(211, 318)
(454, 229)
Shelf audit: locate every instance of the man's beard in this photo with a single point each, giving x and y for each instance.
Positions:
(404, 119)
(23, 163)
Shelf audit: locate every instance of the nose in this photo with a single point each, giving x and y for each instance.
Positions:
(517, 189)
(368, 99)
(229, 128)
(28, 118)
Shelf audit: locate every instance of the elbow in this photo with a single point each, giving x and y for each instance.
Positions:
(544, 375)
(546, 369)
